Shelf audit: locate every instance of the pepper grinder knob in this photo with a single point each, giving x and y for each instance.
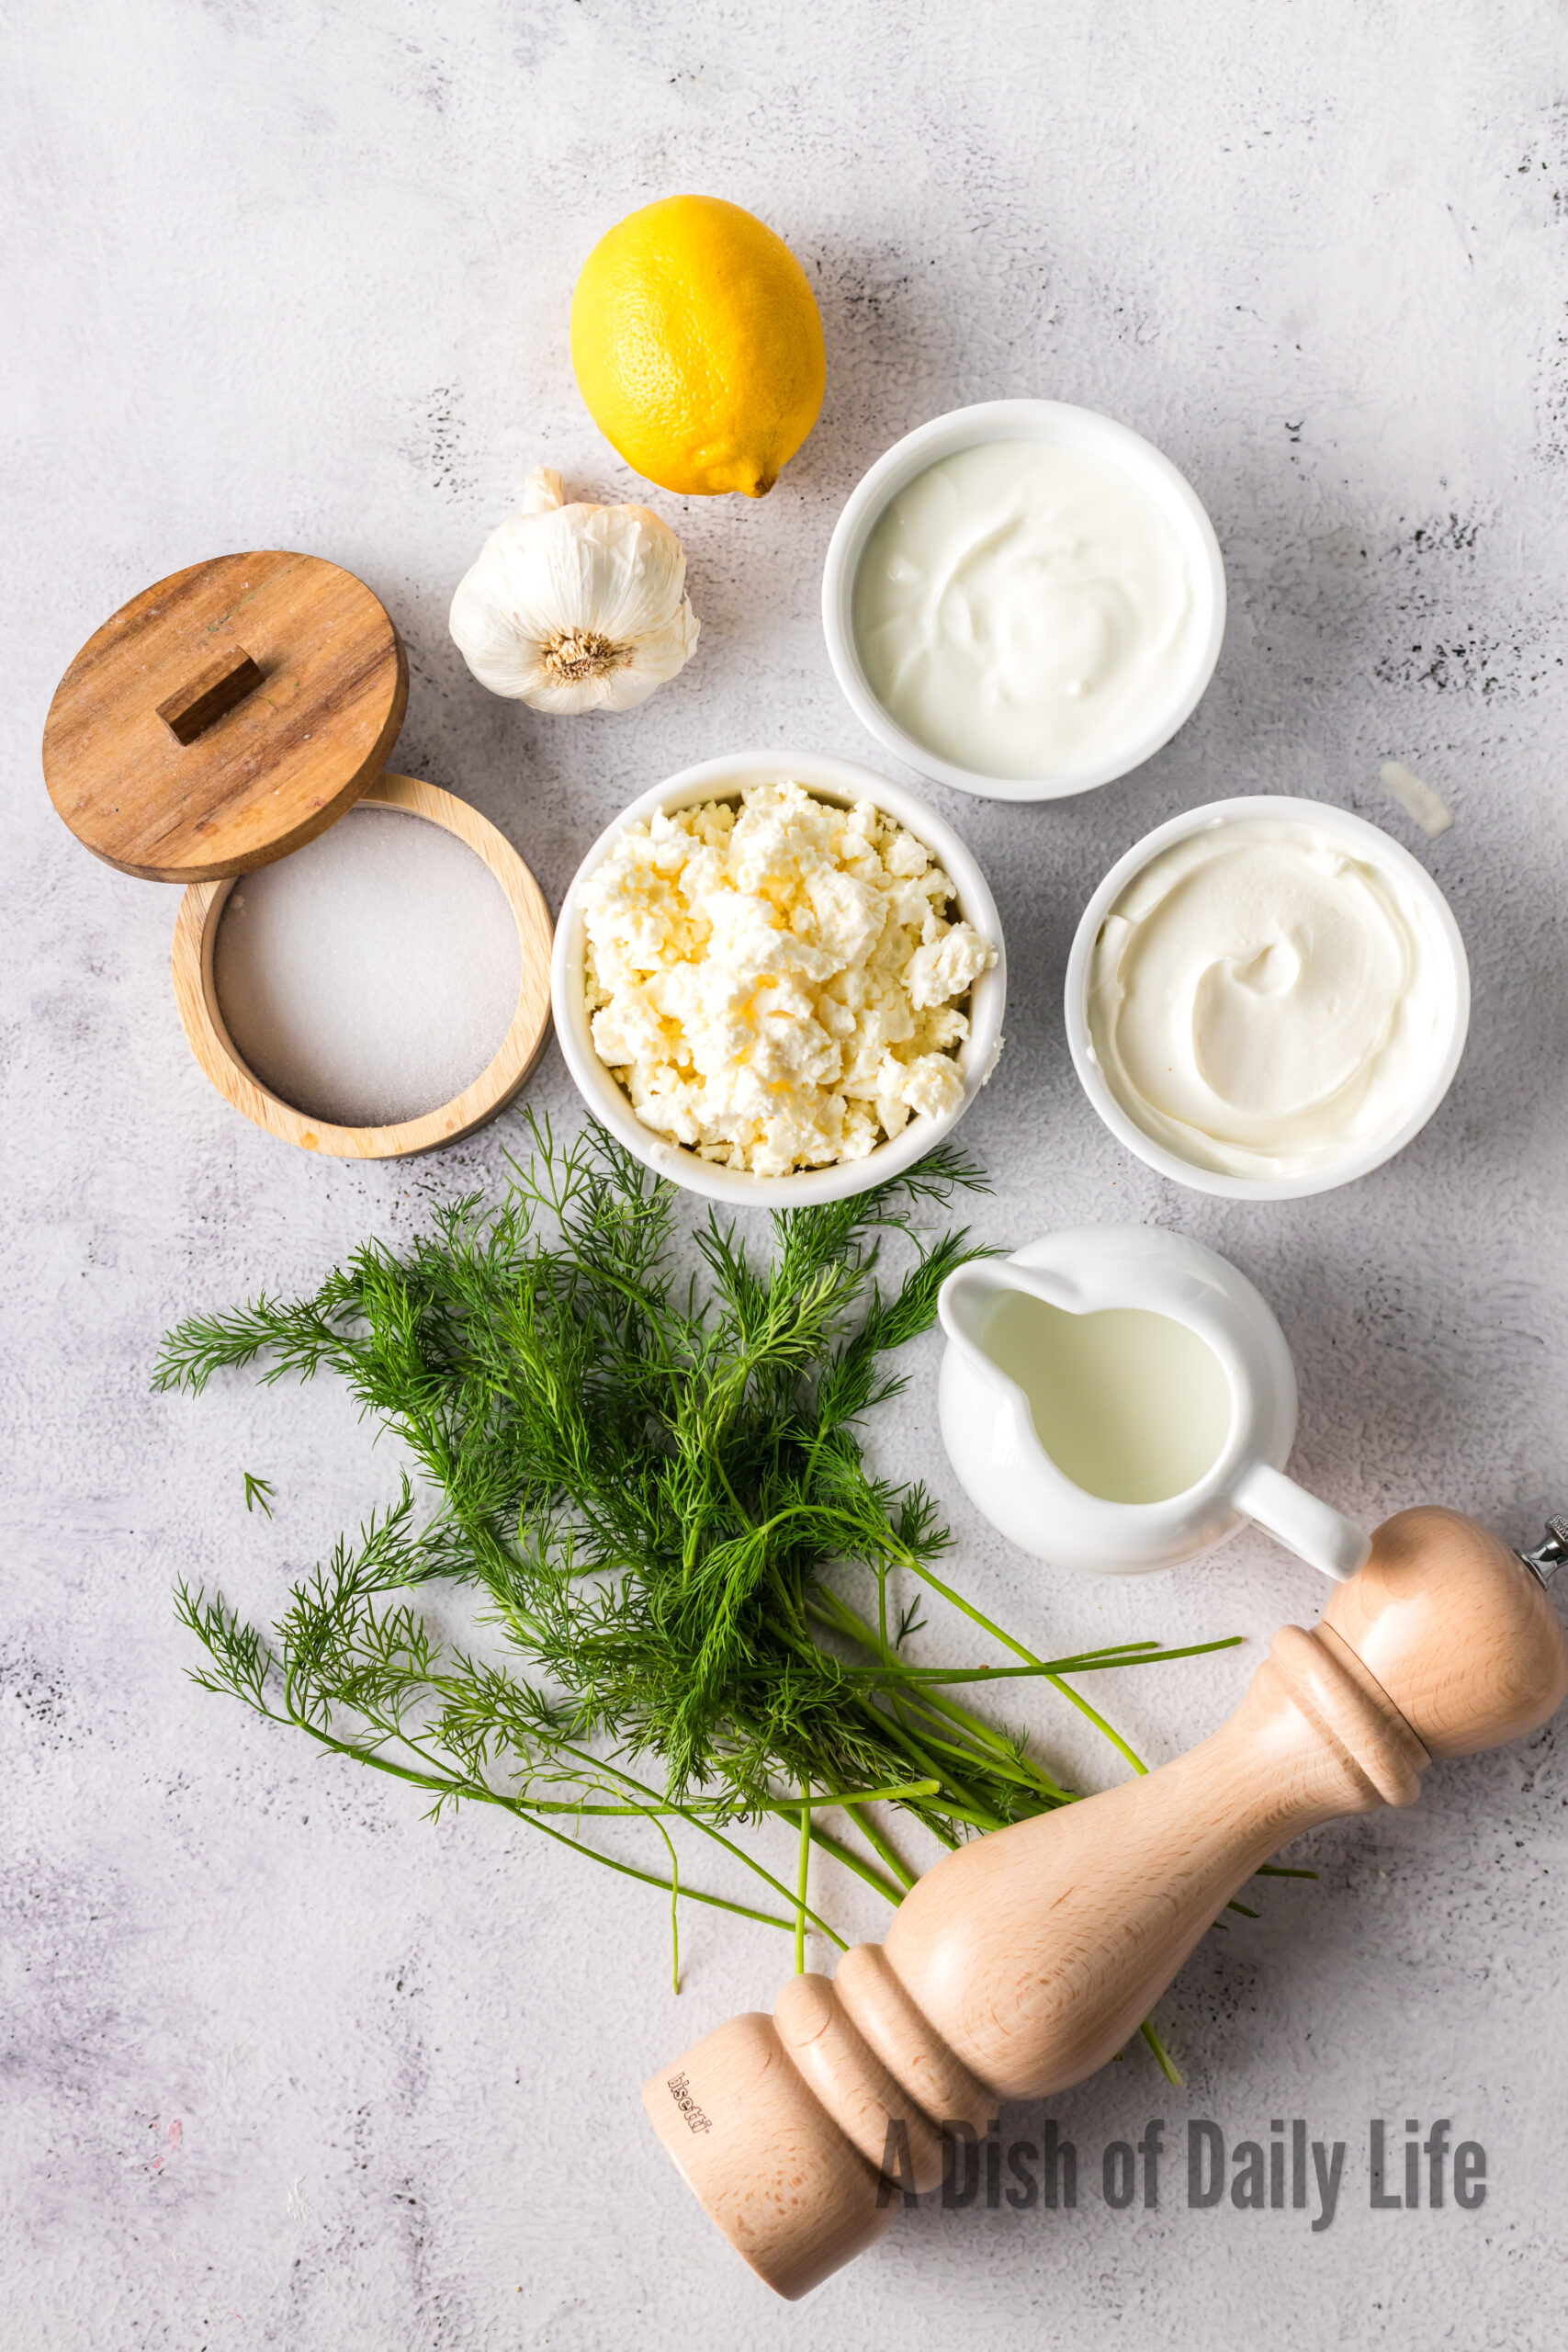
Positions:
(1471, 1652)
(1547, 1557)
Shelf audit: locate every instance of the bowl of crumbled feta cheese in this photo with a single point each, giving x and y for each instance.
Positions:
(779, 978)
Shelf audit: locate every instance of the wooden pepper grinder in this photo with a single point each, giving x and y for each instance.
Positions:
(1025, 1959)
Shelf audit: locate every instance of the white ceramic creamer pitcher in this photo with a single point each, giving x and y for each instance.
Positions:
(1118, 1399)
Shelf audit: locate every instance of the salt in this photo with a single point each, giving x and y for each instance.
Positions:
(370, 977)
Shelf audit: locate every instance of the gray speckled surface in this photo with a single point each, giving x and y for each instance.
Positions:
(285, 2066)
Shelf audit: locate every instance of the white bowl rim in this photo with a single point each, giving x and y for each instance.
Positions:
(1372, 838)
(833, 779)
(943, 437)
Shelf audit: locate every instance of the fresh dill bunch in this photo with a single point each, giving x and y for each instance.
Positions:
(657, 1489)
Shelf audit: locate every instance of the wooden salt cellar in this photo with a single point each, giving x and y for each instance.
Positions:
(196, 937)
(1025, 1959)
(220, 720)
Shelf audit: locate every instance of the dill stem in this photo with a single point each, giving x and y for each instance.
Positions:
(880, 1843)
(838, 1617)
(674, 1908)
(523, 1811)
(801, 1882)
(480, 1791)
(1076, 1698)
(599, 1764)
(1000, 1768)
(1163, 2058)
(851, 1861)
(898, 1792)
(986, 1822)
(1089, 1662)
(845, 1620)
(1094, 1717)
(894, 1728)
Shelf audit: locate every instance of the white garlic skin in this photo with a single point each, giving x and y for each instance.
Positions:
(576, 607)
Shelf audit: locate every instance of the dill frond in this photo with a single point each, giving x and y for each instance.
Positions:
(658, 1493)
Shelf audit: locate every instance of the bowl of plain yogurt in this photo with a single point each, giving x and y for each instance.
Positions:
(1267, 998)
(1023, 599)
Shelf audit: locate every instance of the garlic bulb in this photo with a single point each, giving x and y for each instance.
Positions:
(575, 607)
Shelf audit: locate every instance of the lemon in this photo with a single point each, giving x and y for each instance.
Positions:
(698, 347)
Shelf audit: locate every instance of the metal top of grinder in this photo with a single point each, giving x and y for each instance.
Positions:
(1547, 1557)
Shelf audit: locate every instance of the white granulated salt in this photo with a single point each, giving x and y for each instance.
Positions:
(370, 977)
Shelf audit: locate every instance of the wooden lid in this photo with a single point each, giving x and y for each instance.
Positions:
(225, 717)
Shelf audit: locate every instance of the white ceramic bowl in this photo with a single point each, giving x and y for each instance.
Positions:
(1366, 841)
(837, 780)
(1055, 421)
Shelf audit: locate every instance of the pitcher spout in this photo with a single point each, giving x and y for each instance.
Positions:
(964, 1302)
(967, 1300)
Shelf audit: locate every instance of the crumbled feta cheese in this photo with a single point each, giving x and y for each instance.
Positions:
(946, 966)
(774, 984)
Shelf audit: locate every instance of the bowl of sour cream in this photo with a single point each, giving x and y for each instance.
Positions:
(1267, 998)
(1023, 599)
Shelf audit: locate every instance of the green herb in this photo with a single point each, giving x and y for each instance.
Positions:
(650, 1482)
(257, 1490)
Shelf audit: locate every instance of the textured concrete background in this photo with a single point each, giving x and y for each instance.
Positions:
(285, 2066)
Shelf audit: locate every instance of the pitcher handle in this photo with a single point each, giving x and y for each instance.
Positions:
(1314, 1530)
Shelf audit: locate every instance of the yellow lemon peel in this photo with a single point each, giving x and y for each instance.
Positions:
(698, 347)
